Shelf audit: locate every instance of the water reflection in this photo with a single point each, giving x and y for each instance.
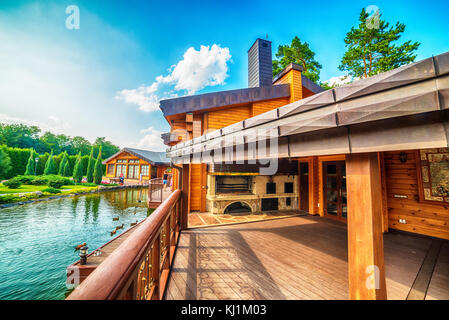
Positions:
(38, 240)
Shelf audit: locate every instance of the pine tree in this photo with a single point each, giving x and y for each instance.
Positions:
(67, 172)
(30, 165)
(90, 166)
(78, 170)
(98, 171)
(372, 47)
(64, 160)
(50, 165)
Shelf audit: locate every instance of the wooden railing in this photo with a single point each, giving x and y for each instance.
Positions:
(155, 190)
(139, 268)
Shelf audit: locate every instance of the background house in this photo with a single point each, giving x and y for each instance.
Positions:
(133, 162)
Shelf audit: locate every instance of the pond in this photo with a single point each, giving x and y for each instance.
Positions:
(37, 240)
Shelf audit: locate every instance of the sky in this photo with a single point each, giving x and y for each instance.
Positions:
(105, 77)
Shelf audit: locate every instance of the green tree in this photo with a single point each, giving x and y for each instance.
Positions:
(300, 53)
(90, 166)
(30, 168)
(67, 172)
(80, 144)
(371, 47)
(19, 135)
(50, 165)
(78, 170)
(5, 164)
(107, 148)
(98, 171)
(64, 160)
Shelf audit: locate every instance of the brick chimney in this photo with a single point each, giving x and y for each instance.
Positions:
(260, 68)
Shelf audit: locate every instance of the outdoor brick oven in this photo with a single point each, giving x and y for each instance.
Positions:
(247, 191)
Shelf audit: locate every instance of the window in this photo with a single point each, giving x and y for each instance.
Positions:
(121, 161)
(288, 187)
(133, 172)
(121, 168)
(110, 169)
(144, 170)
(133, 160)
(271, 187)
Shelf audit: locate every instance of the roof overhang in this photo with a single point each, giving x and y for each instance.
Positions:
(405, 108)
(208, 101)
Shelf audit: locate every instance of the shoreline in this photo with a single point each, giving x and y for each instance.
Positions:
(98, 190)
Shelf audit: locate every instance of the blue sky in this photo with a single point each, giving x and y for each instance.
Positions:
(105, 78)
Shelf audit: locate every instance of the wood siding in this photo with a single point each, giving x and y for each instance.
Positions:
(421, 217)
(293, 77)
(264, 106)
(225, 117)
(195, 187)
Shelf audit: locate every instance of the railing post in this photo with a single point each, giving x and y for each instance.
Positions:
(155, 267)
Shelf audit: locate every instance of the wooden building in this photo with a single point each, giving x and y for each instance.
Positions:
(373, 154)
(135, 162)
(368, 163)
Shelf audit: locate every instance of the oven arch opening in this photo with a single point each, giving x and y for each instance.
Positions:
(238, 207)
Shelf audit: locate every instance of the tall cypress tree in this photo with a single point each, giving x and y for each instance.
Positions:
(67, 172)
(50, 165)
(64, 160)
(78, 170)
(90, 166)
(98, 171)
(30, 165)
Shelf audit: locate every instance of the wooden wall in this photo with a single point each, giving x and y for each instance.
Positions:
(195, 187)
(264, 106)
(421, 217)
(293, 77)
(225, 117)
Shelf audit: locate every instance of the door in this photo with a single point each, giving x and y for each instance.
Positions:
(334, 185)
(304, 186)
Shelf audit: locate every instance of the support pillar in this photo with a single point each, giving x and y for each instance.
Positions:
(185, 184)
(365, 239)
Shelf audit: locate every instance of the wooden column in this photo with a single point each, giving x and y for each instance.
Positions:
(185, 183)
(365, 238)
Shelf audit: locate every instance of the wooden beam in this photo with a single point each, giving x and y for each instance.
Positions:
(185, 183)
(365, 238)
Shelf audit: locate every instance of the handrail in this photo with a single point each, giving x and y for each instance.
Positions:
(139, 267)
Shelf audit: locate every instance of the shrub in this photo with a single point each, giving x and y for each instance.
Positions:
(25, 179)
(12, 183)
(9, 198)
(40, 181)
(55, 183)
(51, 190)
(88, 184)
(5, 164)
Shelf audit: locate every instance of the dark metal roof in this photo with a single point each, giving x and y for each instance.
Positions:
(153, 157)
(405, 108)
(223, 98)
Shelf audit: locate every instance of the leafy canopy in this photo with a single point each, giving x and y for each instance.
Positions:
(372, 48)
(300, 53)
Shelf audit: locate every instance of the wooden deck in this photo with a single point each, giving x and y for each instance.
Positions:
(293, 258)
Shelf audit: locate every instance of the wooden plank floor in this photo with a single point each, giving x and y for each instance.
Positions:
(292, 258)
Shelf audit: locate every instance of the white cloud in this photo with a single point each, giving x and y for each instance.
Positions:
(53, 124)
(151, 140)
(197, 70)
(339, 80)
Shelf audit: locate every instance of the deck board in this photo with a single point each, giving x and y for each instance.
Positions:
(301, 257)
